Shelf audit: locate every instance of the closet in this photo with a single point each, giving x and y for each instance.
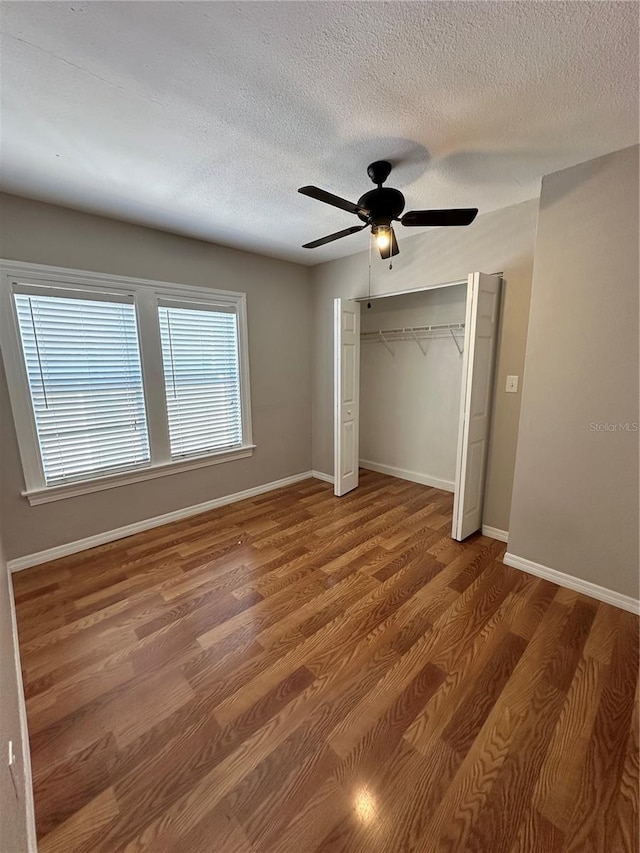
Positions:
(413, 382)
(410, 376)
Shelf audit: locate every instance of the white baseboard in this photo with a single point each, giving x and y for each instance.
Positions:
(601, 593)
(495, 533)
(320, 475)
(25, 753)
(413, 476)
(36, 559)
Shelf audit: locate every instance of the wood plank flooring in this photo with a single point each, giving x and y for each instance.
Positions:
(300, 673)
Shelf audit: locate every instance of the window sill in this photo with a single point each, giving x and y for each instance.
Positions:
(98, 484)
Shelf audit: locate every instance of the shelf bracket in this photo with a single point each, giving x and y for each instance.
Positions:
(455, 340)
(386, 343)
(415, 337)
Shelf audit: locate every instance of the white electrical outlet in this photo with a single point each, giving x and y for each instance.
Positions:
(512, 385)
(12, 755)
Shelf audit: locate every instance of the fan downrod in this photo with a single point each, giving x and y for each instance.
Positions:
(379, 171)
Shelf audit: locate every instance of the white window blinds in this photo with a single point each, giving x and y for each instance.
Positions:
(83, 368)
(202, 379)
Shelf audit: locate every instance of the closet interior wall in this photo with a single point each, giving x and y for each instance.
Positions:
(410, 401)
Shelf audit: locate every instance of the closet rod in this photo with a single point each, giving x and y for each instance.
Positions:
(415, 333)
(412, 331)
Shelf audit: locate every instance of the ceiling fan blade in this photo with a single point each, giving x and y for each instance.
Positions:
(453, 216)
(391, 249)
(335, 200)
(331, 237)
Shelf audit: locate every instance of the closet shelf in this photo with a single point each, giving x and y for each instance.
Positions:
(415, 333)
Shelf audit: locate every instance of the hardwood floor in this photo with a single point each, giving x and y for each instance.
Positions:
(299, 673)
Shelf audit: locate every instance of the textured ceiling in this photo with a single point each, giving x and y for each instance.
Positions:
(204, 118)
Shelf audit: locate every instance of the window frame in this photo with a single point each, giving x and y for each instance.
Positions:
(147, 295)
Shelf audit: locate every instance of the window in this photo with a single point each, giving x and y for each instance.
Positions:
(114, 380)
(200, 356)
(85, 379)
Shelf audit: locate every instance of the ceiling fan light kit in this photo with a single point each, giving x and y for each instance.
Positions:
(380, 207)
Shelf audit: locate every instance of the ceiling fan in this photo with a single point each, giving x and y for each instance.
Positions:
(380, 207)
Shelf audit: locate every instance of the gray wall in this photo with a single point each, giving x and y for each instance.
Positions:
(575, 497)
(14, 819)
(279, 318)
(499, 241)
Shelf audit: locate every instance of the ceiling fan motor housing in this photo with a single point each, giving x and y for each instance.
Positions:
(384, 205)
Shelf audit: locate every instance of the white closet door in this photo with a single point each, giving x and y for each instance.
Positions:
(346, 394)
(483, 302)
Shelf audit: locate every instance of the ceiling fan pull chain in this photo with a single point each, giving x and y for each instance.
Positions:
(370, 242)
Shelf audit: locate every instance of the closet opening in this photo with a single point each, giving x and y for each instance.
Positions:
(413, 389)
